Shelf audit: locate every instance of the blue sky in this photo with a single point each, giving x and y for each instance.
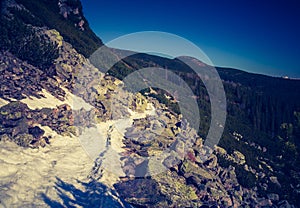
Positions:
(255, 36)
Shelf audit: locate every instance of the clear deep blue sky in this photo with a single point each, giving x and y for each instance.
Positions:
(255, 36)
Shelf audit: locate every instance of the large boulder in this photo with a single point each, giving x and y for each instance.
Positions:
(141, 192)
(176, 190)
(239, 157)
(36, 132)
(189, 168)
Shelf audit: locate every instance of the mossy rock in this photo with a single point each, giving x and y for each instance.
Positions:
(111, 87)
(4, 113)
(239, 157)
(55, 36)
(189, 168)
(66, 67)
(73, 130)
(215, 193)
(140, 103)
(13, 109)
(154, 151)
(14, 116)
(220, 150)
(174, 187)
(100, 97)
(23, 140)
(4, 137)
(141, 192)
(168, 133)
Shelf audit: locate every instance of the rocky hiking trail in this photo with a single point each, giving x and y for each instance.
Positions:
(108, 152)
(28, 176)
(64, 141)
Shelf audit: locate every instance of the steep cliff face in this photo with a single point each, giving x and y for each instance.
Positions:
(51, 95)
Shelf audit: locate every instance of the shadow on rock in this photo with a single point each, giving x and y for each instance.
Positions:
(92, 194)
(142, 193)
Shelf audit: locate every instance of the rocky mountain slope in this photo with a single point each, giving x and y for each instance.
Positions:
(262, 121)
(59, 132)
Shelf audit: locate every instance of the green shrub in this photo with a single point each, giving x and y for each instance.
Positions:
(245, 178)
(85, 42)
(22, 41)
(25, 17)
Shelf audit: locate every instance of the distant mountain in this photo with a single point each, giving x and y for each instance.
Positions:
(49, 97)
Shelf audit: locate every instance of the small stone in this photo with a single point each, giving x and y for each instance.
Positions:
(23, 140)
(211, 162)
